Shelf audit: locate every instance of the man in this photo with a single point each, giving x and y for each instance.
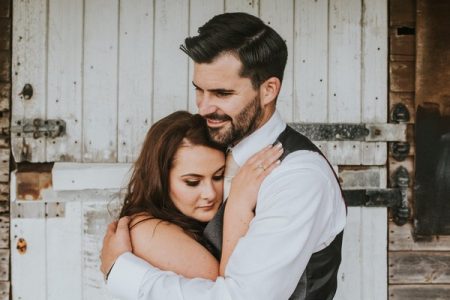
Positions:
(292, 248)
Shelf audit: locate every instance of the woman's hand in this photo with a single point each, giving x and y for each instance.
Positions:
(241, 203)
(246, 183)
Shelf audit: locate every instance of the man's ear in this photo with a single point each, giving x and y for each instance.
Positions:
(269, 90)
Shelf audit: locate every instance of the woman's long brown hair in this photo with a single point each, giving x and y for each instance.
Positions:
(148, 189)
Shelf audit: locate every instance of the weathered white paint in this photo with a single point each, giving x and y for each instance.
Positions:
(28, 270)
(100, 81)
(344, 61)
(29, 65)
(135, 81)
(170, 91)
(311, 61)
(248, 6)
(65, 44)
(280, 16)
(125, 58)
(200, 11)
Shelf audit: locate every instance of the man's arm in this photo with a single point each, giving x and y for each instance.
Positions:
(292, 219)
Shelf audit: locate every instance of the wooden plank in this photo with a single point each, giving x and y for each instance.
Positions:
(170, 88)
(4, 264)
(374, 153)
(433, 72)
(5, 96)
(344, 152)
(280, 16)
(402, 12)
(419, 292)
(402, 76)
(401, 239)
(65, 40)
(4, 231)
(29, 66)
(135, 76)
(100, 81)
(5, 36)
(5, 290)
(419, 267)
(247, 6)
(29, 270)
(200, 11)
(310, 61)
(374, 61)
(63, 239)
(78, 177)
(401, 44)
(95, 218)
(344, 92)
(5, 65)
(362, 177)
(374, 254)
(350, 279)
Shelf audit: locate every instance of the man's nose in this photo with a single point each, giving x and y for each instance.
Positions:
(205, 104)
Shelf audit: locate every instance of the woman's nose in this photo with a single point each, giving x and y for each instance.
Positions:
(209, 192)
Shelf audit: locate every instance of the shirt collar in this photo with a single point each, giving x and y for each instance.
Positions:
(263, 136)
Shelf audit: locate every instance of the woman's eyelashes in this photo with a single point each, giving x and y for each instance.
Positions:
(196, 182)
(218, 177)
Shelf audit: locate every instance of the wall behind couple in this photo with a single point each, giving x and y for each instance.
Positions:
(111, 68)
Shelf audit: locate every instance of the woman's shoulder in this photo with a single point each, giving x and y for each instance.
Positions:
(145, 225)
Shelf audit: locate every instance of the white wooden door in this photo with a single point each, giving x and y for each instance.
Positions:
(110, 69)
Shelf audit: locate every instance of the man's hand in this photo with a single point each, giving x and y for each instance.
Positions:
(116, 242)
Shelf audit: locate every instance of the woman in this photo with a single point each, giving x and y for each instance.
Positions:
(176, 188)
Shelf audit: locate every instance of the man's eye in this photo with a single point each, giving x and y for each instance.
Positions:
(223, 94)
(192, 182)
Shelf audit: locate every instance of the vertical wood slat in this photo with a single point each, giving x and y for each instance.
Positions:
(64, 272)
(247, 6)
(29, 65)
(100, 81)
(200, 11)
(65, 40)
(28, 270)
(170, 92)
(280, 16)
(135, 76)
(374, 61)
(310, 61)
(95, 218)
(344, 61)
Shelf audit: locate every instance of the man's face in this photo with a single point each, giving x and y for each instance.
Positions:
(228, 102)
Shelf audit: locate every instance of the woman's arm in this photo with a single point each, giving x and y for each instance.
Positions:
(241, 203)
(167, 247)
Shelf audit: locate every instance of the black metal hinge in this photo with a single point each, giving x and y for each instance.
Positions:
(373, 197)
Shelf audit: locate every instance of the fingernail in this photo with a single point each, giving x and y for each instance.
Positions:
(278, 162)
(279, 145)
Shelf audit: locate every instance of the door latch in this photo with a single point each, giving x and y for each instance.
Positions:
(38, 128)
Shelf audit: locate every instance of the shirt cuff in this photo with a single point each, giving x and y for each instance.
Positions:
(125, 278)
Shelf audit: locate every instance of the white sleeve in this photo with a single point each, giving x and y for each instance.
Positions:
(293, 218)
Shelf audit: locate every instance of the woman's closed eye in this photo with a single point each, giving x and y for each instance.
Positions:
(218, 177)
(192, 182)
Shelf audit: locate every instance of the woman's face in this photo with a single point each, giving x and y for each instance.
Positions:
(196, 181)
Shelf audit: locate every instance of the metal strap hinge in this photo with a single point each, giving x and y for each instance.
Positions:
(37, 209)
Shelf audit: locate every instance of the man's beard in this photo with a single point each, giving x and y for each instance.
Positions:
(244, 124)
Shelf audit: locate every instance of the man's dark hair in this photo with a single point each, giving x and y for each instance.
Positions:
(261, 50)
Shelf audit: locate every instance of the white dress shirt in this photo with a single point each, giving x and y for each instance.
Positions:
(299, 211)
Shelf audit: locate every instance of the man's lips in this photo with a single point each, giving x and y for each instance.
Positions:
(215, 122)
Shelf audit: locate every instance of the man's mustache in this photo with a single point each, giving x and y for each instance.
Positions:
(217, 117)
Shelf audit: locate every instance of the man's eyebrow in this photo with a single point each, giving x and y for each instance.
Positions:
(219, 90)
